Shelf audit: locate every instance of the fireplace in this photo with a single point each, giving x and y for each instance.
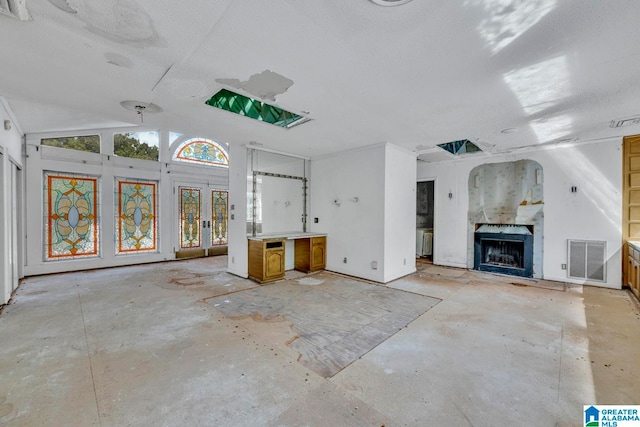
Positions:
(504, 248)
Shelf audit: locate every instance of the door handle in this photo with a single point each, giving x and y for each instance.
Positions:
(208, 224)
(204, 224)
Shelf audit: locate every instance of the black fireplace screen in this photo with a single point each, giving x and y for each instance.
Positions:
(504, 253)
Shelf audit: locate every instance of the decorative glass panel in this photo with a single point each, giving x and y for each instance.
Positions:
(219, 214)
(189, 217)
(136, 216)
(200, 150)
(245, 106)
(137, 145)
(71, 221)
(90, 143)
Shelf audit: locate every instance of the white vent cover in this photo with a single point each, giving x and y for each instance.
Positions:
(628, 121)
(587, 260)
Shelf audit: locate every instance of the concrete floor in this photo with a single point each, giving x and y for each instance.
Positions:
(160, 345)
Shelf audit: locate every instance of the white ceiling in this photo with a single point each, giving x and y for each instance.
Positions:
(415, 75)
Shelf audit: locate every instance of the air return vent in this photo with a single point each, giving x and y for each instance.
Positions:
(587, 260)
(628, 121)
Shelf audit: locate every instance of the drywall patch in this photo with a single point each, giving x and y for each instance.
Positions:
(264, 85)
(122, 21)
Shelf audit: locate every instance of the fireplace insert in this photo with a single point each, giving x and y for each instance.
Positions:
(506, 249)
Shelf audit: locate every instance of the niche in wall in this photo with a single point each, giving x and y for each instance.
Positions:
(507, 193)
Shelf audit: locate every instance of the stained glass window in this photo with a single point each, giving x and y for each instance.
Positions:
(256, 109)
(71, 216)
(135, 216)
(202, 151)
(189, 217)
(219, 202)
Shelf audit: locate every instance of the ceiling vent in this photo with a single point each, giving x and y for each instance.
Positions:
(629, 121)
(390, 2)
(15, 9)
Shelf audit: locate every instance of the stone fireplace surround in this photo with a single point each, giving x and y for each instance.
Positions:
(503, 194)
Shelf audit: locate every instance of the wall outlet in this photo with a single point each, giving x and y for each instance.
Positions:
(344, 260)
(374, 265)
(233, 260)
(404, 261)
(315, 220)
(564, 266)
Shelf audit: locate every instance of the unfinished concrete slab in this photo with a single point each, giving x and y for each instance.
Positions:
(147, 345)
(334, 320)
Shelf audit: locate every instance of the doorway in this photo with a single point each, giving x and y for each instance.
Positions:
(202, 226)
(424, 219)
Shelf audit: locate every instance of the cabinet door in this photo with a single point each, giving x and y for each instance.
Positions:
(318, 253)
(273, 263)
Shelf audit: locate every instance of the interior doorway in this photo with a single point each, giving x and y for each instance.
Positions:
(202, 226)
(425, 209)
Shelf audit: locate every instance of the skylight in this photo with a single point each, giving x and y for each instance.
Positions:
(245, 106)
(460, 147)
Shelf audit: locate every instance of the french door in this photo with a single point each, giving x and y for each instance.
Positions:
(202, 220)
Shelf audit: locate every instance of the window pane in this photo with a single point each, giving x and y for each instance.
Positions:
(90, 143)
(219, 202)
(71, 216)
(189, 217)
(137, 145)
(202, 151)
(136, 216)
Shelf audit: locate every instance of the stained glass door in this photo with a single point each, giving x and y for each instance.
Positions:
(202, 220)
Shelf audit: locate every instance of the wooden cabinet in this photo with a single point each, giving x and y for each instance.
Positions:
(311, 254)
(633, 269)
(266, 259)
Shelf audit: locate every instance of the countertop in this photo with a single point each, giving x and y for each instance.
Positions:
(286, 235)
(636, 245)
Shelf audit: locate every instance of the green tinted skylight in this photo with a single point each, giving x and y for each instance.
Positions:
(460, 147)
(245, 106)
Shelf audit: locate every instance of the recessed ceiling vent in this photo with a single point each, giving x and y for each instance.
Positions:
(629, 121)
(461, 146)
(390, 2)
(15, 9)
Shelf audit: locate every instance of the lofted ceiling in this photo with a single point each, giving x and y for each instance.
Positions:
(504, 74)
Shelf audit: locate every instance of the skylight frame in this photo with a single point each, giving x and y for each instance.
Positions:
(460, 147)
(242, 105)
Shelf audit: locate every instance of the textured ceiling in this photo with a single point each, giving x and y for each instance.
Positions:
(415, 75)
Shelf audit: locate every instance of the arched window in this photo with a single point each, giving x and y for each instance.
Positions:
(201, 151)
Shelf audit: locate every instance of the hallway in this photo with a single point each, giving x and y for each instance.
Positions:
(185, 343)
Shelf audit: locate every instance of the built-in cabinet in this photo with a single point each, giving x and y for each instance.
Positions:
(633, 269)
(267, 255)
(311, 254)
(266, 259)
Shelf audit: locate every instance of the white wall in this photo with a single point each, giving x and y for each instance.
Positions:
(592, 213)
(355, 230)
(10, 221)
(378, 227)
(399, 213)
(238, 247)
